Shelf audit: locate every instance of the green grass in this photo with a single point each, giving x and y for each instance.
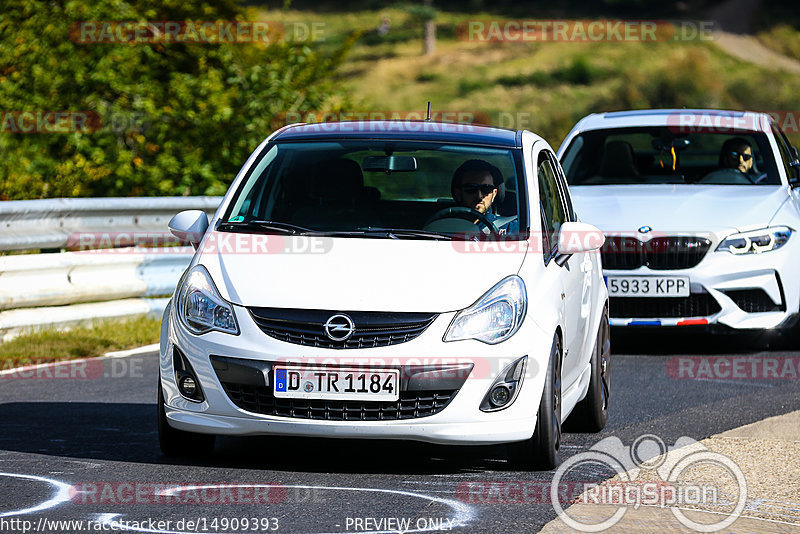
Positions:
(783, 39)
(778, 27)
(80, 342)
(542, 86)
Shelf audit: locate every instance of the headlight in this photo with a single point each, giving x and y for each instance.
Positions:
(757, 241)
(495, 317)
(200, 307)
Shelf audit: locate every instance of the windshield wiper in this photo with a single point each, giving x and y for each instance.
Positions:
(273, 226)
(400, 233)
(292, 229)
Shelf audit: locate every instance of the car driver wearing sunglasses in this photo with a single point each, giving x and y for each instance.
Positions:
(475, 185)
(737, 154)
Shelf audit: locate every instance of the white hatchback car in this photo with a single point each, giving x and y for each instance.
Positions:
(340, 291)
(700, 209)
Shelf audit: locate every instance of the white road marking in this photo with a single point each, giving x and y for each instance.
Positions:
(464, 513)
(60, 496)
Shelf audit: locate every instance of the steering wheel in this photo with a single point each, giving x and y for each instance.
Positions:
(727, 177)
(461, 212)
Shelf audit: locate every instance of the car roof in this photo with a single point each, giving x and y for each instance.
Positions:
(402, 130)
(702, 119)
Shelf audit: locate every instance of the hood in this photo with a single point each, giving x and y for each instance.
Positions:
(669, 208)
(357, 274)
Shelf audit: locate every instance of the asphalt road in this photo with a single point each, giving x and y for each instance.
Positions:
(85, 449)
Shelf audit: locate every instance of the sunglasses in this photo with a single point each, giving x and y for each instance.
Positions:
(485, 189)
(737, 155)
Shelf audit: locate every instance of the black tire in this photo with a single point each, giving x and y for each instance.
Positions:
(174, 442)
(540, 452)
(591, 413)
(786, 338)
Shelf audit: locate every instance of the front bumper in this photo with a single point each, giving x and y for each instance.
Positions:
(755, 291)
(461, 420)
(502, 429)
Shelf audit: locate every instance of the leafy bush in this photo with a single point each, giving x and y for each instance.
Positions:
(466, 86)
(579, 71)
(177, 118)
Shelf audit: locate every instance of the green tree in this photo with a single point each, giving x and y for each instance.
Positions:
(177, 118)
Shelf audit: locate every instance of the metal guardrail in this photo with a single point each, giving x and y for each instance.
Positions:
(49, 223)
(16, 322)
(96, 276)
(62, 289)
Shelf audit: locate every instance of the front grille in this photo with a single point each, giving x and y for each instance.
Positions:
(622, 253)
(753, 300)
(412, 405)
(372, 329)
(659, 253)
(695, 305)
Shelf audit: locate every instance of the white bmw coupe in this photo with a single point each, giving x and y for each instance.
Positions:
(700, 209)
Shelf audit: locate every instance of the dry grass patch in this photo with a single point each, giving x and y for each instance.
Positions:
(80, 342)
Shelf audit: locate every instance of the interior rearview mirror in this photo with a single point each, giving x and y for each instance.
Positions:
(390, 164)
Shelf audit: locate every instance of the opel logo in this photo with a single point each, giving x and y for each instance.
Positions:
(644, 229)
(339, 327)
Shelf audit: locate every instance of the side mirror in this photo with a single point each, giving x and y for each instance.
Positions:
(189, 225)
(577, 237)
(794, 181)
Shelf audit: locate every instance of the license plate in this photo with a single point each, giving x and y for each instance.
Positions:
(326, 383)
(648, 286)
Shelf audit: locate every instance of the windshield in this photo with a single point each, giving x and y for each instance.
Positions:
(373, 186)
(657, 155)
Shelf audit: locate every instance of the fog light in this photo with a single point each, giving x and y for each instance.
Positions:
(188, 386)
(186, 378)
(505, 387)
(500, 396)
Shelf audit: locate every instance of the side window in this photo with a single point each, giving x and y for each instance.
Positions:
(786, 153)
(552, 206)
(562, 185)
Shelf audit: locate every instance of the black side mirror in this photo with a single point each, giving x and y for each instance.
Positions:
(794, 181)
